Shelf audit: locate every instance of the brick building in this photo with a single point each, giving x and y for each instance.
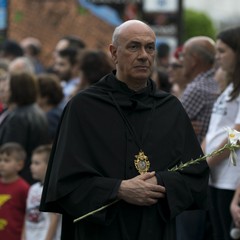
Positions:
(49, 20)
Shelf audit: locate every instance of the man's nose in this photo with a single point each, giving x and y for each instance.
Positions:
(142, 53)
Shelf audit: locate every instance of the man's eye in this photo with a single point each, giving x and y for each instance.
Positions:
(133, 47)
(150, 48)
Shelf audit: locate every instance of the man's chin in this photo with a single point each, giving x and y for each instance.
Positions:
(143, 76)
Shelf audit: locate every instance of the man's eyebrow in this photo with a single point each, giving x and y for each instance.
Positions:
(135, 41)
(139, 42)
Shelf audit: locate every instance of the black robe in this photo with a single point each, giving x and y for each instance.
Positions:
(95, 150)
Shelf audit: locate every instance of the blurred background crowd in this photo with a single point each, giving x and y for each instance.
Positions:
(42, 67)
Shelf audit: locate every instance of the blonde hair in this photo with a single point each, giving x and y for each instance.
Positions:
(43, 149)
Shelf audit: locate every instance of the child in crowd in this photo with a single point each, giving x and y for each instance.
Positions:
(13, 191)
(40, 225)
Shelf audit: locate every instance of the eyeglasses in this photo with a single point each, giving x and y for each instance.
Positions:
(175, 65)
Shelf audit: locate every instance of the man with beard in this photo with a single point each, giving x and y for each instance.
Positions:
(66, 66)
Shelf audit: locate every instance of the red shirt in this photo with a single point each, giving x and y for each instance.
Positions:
(12, 208)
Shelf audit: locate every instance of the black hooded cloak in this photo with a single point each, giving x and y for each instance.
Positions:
(94, 150)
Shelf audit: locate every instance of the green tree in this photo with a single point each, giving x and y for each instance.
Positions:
(197, 23)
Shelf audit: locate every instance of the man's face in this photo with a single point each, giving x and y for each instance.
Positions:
(38, 166)
(187, 60)
(175, 71)
(9, 166)
(134, 54)
(62, 67)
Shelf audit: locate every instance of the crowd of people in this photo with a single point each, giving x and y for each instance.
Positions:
(69, 133)
(32, 99)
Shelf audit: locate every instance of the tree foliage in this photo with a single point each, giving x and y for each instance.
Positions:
(196, 23)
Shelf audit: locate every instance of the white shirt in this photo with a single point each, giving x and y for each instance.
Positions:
(36, 222)
(225, 113)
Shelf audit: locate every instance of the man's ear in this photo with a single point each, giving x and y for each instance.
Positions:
(113, 51)
(195, 61)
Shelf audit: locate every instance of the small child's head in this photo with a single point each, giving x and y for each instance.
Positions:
(39, 162)
(12, 159)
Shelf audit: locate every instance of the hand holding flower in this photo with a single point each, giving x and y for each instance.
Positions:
(231, 145)
(234, 138)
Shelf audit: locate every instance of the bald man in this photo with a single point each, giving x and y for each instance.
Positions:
(198, 59)
(116, 141)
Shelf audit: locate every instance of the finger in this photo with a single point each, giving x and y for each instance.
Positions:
(147, 175)
(158, 188)
(152, 200)
(156, 195)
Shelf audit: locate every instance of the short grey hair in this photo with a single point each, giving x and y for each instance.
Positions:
(202, 52)
(115, 35)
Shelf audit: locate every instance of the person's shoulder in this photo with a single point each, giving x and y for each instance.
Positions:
(35, 186)
(193, 90)
(169, 101)
(81, 96)
(192, 87)
(23, 186)
(22, 112)
(36, 109)
(16, 118)
(92, 93)
(166, 96)
(23, 183)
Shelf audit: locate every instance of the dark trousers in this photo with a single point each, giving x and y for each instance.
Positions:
(220, 215)
(190, 225)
